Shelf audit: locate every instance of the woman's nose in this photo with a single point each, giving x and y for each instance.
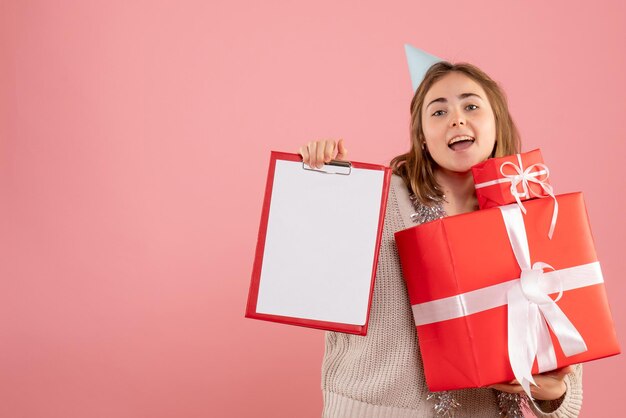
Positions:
(458, 119)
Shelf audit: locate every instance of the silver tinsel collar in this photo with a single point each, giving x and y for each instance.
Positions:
(510, 405)
(426, 213)
(444, 405)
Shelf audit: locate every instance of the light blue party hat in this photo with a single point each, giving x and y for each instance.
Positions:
(419, 62)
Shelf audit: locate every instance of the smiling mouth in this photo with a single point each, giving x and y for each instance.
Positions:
(461, 142)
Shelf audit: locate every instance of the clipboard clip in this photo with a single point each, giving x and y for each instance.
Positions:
(333, 167)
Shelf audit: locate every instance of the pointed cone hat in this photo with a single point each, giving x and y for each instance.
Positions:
(419, 62)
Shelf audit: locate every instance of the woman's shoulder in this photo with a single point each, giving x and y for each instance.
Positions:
(399, 195)
(397, 181)
(399, 186)
(411, 209)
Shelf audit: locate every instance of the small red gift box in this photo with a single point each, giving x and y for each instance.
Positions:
(500, 181)
(471, 276)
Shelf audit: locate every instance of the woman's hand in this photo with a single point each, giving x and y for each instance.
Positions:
(550, 385)
(316, 153)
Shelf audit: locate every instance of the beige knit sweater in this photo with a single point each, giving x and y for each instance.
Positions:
(381, 375)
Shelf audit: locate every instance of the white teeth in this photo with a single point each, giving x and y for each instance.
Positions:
(460, 138)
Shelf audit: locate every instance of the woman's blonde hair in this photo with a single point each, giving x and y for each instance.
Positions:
(417, 166)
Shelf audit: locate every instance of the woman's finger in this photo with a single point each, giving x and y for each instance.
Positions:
(312, 154)
(560, 372)
(505, 387)
(304, 152)
(321, 145)
(329, 151)
(342, 152)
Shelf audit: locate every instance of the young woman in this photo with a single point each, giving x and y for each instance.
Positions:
(459, 117)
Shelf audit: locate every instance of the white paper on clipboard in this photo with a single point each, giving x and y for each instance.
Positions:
(320, 244)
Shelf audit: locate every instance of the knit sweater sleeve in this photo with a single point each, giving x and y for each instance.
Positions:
(570, 404)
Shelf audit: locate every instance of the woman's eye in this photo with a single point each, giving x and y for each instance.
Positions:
(438, 113)
(472, 106)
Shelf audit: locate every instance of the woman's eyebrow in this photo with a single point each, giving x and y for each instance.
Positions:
(461, 96)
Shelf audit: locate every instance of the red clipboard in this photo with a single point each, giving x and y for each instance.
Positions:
(318, 244)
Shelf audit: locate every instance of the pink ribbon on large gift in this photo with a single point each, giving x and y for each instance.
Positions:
(530, 308)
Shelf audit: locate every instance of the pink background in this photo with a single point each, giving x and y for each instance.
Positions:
(134, 143)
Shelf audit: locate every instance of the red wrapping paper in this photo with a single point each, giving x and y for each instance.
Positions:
(500, 194)
(458, 254)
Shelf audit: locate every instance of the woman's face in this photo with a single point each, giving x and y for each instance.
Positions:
(458, 123)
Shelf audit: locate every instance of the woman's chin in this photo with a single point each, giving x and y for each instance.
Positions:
(455, 170)
(460, 166)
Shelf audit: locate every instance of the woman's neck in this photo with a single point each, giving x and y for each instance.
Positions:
(459, 191)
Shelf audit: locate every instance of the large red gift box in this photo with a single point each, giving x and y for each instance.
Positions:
(463, 332)
(499, 180)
